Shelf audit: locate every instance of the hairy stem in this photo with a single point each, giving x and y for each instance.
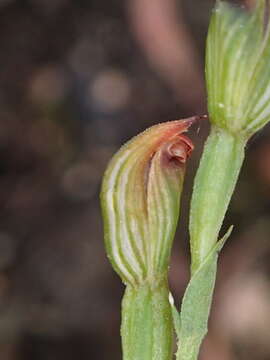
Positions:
(147, 330)
(214, 184)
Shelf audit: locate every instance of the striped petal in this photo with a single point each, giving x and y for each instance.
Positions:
(238, 68)
(140, 200)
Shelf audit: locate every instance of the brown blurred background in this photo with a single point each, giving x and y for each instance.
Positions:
(77, 79)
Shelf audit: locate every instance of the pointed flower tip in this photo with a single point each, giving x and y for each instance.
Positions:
(140, 200)
(237, 68)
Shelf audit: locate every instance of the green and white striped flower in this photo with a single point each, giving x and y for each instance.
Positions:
(140, 203)
(238, 68)
(140, 200)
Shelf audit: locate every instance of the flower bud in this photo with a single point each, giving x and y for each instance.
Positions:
(238, 68)
(140, 200)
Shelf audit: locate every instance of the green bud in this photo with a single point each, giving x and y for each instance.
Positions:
(238, 69)
(140, 201)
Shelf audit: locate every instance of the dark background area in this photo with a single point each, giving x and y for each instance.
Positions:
(77, 79)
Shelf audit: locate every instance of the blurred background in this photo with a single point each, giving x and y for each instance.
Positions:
(77, 79)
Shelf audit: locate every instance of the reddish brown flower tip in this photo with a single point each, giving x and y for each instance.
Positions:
(180, 149)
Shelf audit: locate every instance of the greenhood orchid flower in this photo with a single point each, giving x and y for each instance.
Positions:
(140, 202)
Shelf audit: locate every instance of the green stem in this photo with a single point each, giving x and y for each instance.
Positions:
(147, 328)
(196, 307)
(190, 351)
(214, 184)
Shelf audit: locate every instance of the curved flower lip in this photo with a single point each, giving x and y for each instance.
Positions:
(180, 150)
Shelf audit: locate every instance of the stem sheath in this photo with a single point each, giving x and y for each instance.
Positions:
(147, 330)
(214, 184)
(215, 181)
